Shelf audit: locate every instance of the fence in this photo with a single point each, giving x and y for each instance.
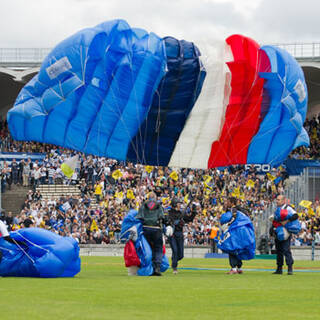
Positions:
(302, 50)
(305, 187)
(116, 250)
(262, 223)
(36, 55)
(20, 55)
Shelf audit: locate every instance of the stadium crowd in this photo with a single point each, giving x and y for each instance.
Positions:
(312, 126)
(118, 187)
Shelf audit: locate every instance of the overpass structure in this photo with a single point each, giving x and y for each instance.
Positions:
(19, 65)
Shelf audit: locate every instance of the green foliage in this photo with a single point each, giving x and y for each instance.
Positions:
(103, 290)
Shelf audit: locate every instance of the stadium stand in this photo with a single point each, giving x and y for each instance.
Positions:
(75, 207)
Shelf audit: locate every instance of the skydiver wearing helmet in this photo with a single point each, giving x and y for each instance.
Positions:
(175, 220)
(151, 215)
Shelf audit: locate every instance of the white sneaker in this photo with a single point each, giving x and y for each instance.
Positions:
(175, 271)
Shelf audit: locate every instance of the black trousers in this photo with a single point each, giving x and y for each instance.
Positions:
(234, 261)
(177, 247)
(283, 250)
(154, 238)
(213, 246)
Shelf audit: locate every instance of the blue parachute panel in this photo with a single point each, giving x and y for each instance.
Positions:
(47, 255)
(172, 103)
(282, 127)
(142, 246)
(93, 90)
(239, 238)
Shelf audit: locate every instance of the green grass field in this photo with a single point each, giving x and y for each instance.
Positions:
(102, 290)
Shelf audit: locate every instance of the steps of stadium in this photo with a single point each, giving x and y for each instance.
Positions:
(53, 191)
(12, 200)
(49, 191)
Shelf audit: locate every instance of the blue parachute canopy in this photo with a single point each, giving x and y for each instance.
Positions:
(46, 255)
(111, 91)
(239, 237)
(93, 90)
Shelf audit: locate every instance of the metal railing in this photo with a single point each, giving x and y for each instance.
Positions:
(302, 50)
(36, 55)
(305, 187)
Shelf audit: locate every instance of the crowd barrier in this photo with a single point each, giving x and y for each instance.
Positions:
(116, 250)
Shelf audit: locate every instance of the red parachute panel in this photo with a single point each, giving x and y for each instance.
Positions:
(242, 119)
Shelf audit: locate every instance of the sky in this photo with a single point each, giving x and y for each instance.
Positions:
(44, 23)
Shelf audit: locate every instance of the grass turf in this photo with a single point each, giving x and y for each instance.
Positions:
(102, 290)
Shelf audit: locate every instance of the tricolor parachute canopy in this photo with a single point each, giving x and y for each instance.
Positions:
(124, 93)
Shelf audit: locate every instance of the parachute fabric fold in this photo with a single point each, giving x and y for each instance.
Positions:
(238, 238)
(171, 105)
(267, 106)
(142, 246)
(243, 111)
(93, 90)
(282, 127)
(47, 255)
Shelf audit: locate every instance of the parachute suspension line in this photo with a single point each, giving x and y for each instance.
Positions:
(98, 109)
(83, 72)
(135, 144)
(54, 59)
(158, 120)
(201, 68)
(84, 61)
(254, 82)
(120, 114)
(283, 82)
(140, 137)
(17, 244)
(116, 111)
(158, 124)
(207, 107)
(225, 107)
(5, 249)
(33, 244)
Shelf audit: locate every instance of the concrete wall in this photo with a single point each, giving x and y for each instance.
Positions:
(299, 253)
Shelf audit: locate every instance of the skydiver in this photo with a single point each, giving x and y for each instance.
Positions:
(176, 219)
(151, 215)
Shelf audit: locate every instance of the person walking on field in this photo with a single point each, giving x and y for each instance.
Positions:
(151, 215)
(283, 246)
